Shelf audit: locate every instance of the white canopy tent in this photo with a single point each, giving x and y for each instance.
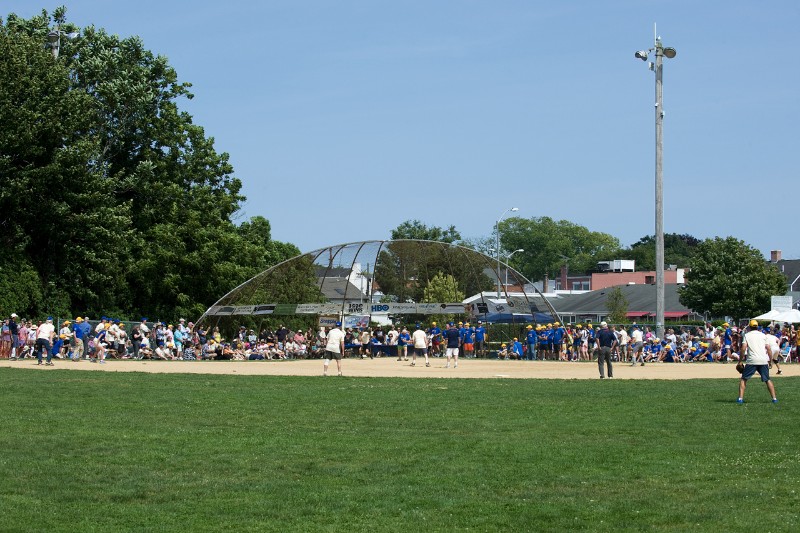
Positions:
(787, 315)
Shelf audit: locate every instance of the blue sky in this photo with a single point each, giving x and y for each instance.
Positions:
(345, 118)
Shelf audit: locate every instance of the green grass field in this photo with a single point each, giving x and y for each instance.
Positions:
(96, 451)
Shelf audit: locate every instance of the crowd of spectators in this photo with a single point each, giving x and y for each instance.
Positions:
(683, 344)
(80, 339)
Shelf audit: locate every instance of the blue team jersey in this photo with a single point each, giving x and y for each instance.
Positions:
(517, 348)
(532, 337)
(480, 334)
(727, 338)
(558, 335)
(469, 337)
(57, 344)
(404, 339)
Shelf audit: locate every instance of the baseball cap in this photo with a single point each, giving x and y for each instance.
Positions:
(14, 315)
(754, 323)
(338, 323)
(603, 323)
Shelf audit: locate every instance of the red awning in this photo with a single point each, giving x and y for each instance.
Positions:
(675, 314)
(636, 314)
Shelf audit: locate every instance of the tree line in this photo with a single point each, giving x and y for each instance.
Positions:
(726, 276)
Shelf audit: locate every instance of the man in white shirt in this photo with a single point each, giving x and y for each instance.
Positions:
(637, 346)
(623, 338)
(774, 347)
(421, 343)
(44, 340)
(334, 349)
(754, 348)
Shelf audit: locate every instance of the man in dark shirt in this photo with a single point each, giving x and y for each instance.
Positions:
(13, 329)
(453, 338)
(605, 341)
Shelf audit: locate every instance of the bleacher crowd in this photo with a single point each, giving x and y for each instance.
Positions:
(82, 340)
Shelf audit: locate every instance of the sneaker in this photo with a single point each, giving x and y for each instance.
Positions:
(39, 363)
(325, 374)
(102, 361)
(780, 371)
(48, 364)
(427, 364)
(446, 366)
(399, 359)
(413, 364)
(642, 363)
(739, 401)
(774, 400)
(455, 365)
(340, 374)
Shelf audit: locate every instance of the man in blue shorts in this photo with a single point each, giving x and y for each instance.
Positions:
(754, 348)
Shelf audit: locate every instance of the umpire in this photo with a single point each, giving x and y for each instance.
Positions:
(605, 341)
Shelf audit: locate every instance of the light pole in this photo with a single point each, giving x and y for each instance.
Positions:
(497, 243)
(508, 259)
(657, 67)
(54, 38)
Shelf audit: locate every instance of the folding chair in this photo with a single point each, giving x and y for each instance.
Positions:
(786, 353)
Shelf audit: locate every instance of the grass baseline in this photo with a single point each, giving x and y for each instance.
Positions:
(108, 451)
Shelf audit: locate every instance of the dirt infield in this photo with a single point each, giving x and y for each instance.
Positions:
(389, 367)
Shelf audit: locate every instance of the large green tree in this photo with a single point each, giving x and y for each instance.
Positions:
(111, 193)
(414, 229)
(548, 244)
(678, 250)
(730, 278)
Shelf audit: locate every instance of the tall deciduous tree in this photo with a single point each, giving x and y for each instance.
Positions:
(730, 278)
(111, 193)
(549, 244)
(414, 229)
(678, 250)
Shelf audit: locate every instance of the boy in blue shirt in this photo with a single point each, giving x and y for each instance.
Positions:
(531, 339)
